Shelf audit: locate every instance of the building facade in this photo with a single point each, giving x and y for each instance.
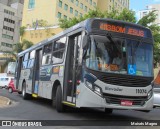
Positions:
(52, 10)
(150, 8)
(107, 5)
(10, 22)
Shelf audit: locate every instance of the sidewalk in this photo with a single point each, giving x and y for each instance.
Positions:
(4, 101)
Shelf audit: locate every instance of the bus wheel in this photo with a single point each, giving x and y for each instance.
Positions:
(108, 110)
(58, 103)
(24, 94)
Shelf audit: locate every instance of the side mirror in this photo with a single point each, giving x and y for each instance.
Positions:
(85, 42)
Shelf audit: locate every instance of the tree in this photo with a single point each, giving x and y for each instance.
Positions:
(125, 15)
(43, 23)
(22, 32)
(18, 47)
(148, 21)
(65, 23)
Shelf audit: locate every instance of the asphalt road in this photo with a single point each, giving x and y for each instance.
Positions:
(41, 109)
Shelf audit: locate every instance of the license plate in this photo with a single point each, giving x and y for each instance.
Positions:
(126, 103)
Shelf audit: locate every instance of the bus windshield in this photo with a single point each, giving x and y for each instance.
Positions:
(120, 55)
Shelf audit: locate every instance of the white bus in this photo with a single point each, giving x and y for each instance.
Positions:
(78, 67)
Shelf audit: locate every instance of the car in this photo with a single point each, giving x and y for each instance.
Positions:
(11, 87)
(4, 81)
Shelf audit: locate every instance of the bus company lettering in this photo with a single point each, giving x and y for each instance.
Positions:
(113, 89)
(120, 29)
(114, 28)
(136, 32)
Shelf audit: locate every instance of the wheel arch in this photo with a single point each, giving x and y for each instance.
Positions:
(54, 88)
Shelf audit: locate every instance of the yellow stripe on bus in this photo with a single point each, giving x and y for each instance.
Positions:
(34, 95)
(68, 103)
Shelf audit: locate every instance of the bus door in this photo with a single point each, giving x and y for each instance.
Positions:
(18, 71)
(72, 68)
(36, 72)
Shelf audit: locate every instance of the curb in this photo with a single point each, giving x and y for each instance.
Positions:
(4, 101)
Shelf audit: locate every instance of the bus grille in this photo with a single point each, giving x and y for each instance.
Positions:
(121, 79)
(116, 99)
(125, 81)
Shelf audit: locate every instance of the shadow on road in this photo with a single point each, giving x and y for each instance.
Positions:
(89, 113)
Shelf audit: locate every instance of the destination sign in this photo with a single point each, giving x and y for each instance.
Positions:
(122, 29)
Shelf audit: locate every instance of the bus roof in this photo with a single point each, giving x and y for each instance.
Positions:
(88, 25)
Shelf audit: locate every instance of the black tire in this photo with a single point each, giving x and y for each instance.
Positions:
(24, 94)
(108, 111)
(10, 90)
(58, 101)
(53, 101)
(19, 92)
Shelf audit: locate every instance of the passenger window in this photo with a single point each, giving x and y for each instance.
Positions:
(31, 59)
(25, 61)
(26, 56)
(46, 59)
(58, 51)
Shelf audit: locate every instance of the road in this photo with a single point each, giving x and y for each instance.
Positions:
(41, 109)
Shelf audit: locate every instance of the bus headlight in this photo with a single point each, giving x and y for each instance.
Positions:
(94, 88)
(150, 94)
(97, 90)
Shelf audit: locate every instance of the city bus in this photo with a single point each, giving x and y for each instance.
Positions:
(97, 63)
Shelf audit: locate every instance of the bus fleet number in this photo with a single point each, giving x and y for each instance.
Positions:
(141, 91)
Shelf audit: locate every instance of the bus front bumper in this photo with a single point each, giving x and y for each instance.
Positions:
(88, 98)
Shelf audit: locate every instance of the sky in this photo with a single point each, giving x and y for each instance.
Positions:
(137, 5)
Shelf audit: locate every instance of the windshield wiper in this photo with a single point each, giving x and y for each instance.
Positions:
(138, 45)
(109, 36)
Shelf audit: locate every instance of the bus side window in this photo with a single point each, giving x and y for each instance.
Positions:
(31, 59)
(58, 51)
(25, 60)
(46, 59)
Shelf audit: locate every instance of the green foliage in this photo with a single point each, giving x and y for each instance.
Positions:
(18, 47)
(22, 46)
(125, 15)
(64, 23)
(41, 23)
(148, 21)
(22, 30)
(149, 18)
(156, 52)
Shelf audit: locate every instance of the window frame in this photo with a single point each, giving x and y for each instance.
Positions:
(44, 64)
(64, 50)
(31, 4)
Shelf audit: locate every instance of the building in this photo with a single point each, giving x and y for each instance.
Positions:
(10, 22)
(107, 5)
(52, 10)
(150, 8)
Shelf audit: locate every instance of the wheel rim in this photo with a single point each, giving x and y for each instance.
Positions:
(10, 90)
(23, 91)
